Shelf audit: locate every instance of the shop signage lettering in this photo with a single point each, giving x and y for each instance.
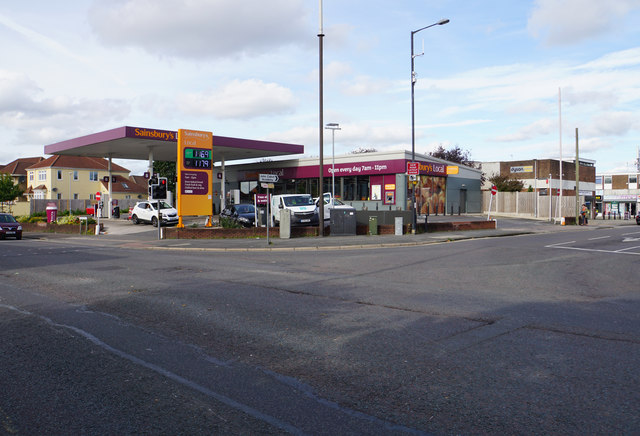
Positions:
(162, 135)
(358, 169)
(433, 168)
(522, 169)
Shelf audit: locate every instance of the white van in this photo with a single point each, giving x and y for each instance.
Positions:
(302, 208)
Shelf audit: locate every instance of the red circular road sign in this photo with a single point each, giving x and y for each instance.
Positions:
(98, 196)
(494, 189)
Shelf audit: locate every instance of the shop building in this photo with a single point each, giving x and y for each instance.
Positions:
(367, 181)
(543, 175)
(618, 194)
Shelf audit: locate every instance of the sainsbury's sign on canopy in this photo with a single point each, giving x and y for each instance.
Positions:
(161, 135)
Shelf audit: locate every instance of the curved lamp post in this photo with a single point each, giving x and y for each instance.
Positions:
(413, 126)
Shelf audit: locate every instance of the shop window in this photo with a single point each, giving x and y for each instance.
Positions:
(376, 192)
(301, 186)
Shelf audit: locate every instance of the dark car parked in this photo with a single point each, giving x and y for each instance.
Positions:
(638, 219)
(9, 226)
(244, 214)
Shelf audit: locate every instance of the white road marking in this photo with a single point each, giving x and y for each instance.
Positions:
(601, 237)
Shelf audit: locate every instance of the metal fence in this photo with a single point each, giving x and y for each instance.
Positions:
(39, 205)
(529, 204)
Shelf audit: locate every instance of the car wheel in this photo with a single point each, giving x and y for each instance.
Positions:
(135, 219)
(18, 237)
(154, 221)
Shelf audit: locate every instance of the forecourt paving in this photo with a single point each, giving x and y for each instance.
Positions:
(119, 231)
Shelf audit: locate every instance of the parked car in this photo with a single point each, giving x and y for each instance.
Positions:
(301, 207)
(146, 212)
(9, 226)
(638, 219)
(244, 214)
(332, 203)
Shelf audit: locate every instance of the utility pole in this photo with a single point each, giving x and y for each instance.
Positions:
(577, 180)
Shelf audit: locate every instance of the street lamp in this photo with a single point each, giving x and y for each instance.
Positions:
(413, 125)
(333, 127)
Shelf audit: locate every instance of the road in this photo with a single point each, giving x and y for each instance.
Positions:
(518, 335)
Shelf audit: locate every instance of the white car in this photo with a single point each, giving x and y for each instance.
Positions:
(146, 212)
(332, 203)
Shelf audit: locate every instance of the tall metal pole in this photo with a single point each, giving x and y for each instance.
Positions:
(333, 127)
(333, 164)
(413, 118)
(321, 145)
(577, 179)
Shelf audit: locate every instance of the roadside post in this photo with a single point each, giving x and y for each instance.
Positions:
(413, 170)
(494, 190)
(267, 181)
(98, 197)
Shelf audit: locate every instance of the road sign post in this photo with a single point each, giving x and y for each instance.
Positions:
(494, 190)
(267, 181)
(268, 178)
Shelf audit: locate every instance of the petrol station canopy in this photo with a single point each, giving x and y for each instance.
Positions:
(161, 145)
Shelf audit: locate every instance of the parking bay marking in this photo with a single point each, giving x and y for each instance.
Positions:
(621, 251)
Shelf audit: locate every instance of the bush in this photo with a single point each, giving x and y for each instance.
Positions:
(228, 223)
(37, 219)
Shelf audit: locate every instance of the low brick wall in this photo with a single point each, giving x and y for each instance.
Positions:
(220, 233)
(57, 228)
(460, 225)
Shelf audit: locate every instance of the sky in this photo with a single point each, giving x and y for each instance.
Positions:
(505, 80)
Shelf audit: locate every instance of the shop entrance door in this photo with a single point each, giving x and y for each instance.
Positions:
(463, 201)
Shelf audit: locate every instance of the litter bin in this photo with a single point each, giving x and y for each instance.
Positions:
(116, 212)
(52, 212)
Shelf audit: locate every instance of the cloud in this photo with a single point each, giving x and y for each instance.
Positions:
(200, 28)
(240, 99)
(364, 85)
(537, 128)
(37, 120)
(613, 124)
(566, 22)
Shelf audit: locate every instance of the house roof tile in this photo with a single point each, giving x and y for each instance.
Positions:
(78, 162)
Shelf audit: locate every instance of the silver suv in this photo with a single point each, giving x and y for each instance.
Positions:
(146, 212)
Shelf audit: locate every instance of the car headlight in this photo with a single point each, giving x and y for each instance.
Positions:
(243, 219)
(19, 227)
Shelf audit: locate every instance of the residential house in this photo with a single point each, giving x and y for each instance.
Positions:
(18, 172)
(74, 181)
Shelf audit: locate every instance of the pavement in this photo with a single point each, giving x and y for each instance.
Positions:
(124, 232)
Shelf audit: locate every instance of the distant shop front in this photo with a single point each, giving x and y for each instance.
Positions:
(371, 181)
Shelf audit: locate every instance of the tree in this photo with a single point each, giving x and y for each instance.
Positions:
(506, 183)
(458, 155)
(166, 169)
(455, 154)
(8, 191)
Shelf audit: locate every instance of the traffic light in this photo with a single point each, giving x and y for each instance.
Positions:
(152, 181)
(161, 189)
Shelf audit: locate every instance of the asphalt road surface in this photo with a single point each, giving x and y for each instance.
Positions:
(536, 334)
